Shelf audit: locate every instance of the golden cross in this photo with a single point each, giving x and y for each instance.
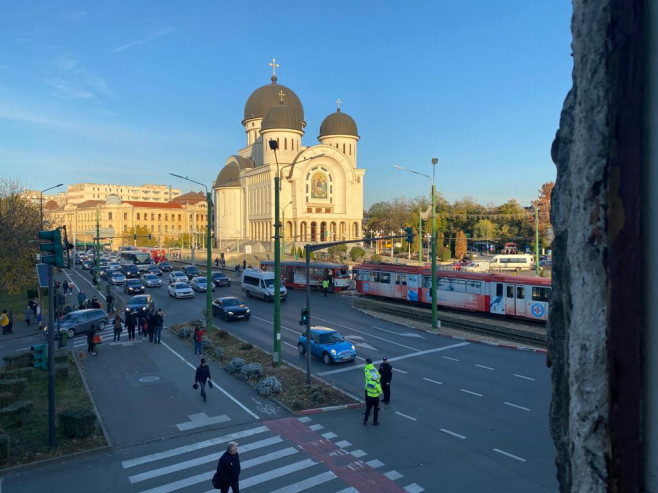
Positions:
(274, 65)
(338, 101)
(281, 94)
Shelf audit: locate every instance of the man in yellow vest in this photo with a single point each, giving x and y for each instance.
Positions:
(325, 286)
(4, 321)
(373, 391)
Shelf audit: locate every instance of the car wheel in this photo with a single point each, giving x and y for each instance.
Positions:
(71, 333)
(247, 317)
(300, 348)
(326, 358)
(101, 325)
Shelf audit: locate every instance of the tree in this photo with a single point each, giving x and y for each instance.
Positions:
(484, 230)
(357, 253)
(337, 252)
(544, 205)
(460, 245)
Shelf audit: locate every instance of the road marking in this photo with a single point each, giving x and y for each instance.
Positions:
(469, 392)
(485, 367)
(414, 355)
(400, 371)
(291, 345)
(509, 455)
(307, 483)
(521, 376)
(406, 416)
(453, 433)
(433, 381)
(276, 473)
(518, 407)
(364, 345)
(405, 334)
(451, 359)
(332, 323)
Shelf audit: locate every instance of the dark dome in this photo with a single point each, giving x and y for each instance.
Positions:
(281, 116)
(230, 174)
(265, 97)
(338, 124)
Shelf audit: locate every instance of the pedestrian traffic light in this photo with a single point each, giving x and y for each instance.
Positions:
(51, 251)
(410, 234)
(304, 319)
(40, 356)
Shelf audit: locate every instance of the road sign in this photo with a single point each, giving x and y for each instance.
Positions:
(42, 274)
(102, 232)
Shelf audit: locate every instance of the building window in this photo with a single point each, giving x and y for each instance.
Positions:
(166, 217)
(343, 148)
(350, 149)
(285, 144)
(138, 216)
(179, 214)
(159, 217)
(125, 216)
(152, 216)
(309, 209)
(109, 216)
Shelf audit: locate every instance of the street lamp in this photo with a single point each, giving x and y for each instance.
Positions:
(208, 253)
(41, 202)
(283, 228)
(435, 321)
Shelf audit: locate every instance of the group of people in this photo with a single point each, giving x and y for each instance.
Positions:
(377, 382)
(150, 325)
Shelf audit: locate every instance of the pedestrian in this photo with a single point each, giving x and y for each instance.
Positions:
(110, 303)
(27, 315)
(373, 391)
(10, 326)
(90, 340)
(130, 325)
(228, 470)
(325, 286)
(159, 323)
(4, 321)
(244, 264)
(95, 303)
(117, 328)
(237, 270)
(81, 298)
(150, 326)
(71, 286)
(202, 377)
(33, 306)
(65, 287)
(142, 323)
(198, 340)
(216, 261)
(386, 374)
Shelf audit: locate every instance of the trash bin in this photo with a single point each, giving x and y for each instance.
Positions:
(63, 338)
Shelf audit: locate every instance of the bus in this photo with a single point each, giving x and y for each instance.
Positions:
(293, 274)
(134, 257)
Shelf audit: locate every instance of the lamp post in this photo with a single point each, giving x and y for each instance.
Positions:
(283, 228)
(208, 253)
(435, 321)
(41, 202)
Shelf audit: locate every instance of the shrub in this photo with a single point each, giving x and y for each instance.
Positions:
(16, 386)
(357, 253)
(15, 414)
(18, 360)
(8, 374)
(221, 333)
(62, 371)
(207, 344)
(219, 352)
(24, 372)
(4, 447)
(271, 385)
(376, 258)
(296, 405)
(184, 332)
(246, 346)
(6, 398)
(317, 396)
(77, 422)
(235, 365)
(252, 371)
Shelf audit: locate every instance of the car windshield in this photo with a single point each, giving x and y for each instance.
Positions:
(71, 317)
(139, 300)
(133, 282)
(269, 283)
(116, 274)
(150, 277)
(219, 275)
(331, 338)
(180, 285)
(231, 302)
(201, 280)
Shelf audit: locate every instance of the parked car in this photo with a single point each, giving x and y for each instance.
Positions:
(177, 276)
(165, 266)
(230, 308)
(200, 284)
(133, 286)
(140, 305)
(116, 277)
(154, 269)
(220, 279)
(151, 281)
(328, 345)
(130, 270)
(86, 264)
(80, 321)
(180, 290)
(191, 271)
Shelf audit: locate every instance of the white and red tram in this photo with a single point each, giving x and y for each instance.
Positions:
(293, 273)
(499, 294)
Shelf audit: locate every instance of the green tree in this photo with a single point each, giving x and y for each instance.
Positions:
(357, 253)
(337, 252)
(544, 205)
(376, 258)
(300, 253)
(293, 251)
(484, 229)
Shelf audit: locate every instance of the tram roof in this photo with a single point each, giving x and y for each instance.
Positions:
(302, 263)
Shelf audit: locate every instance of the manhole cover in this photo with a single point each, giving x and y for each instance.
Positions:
(149, 379)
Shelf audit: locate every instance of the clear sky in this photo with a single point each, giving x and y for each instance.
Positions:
(128, 91)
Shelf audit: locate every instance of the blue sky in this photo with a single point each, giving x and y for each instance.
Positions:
(126, 92)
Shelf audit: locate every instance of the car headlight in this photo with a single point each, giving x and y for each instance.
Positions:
(247, 310)
(143, 308)
(230, 313)
(333, 351)
(353, 347)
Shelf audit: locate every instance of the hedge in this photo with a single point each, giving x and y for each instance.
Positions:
(16, 414)
(18, 360)
(16, 386)
(77, 422)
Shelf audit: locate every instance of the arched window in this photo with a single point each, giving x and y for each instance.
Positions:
(285, 144)
(350, 149)
(343, 147)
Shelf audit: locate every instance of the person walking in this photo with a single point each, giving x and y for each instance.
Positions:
(202, 377)
(373, 391)
(65, 287)
(27, 315)
(91, 346)
(150, 327)
(159, 324)
(71, 286)
(82, 297)
(198, 340)
(4, 321)
(386, 374)
(216, 261)
(228, 470)
(110, 303)
(244, 264)
(130, 325)
(117, 328)
(10, 326)
(325, 286)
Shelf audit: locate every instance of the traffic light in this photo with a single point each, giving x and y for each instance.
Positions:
(304, 319)
(51, 251)
(134, 236)
(40, 356)
(410, 234)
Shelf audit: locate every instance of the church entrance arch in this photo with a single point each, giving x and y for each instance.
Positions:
(324, 233)
(343, 231)
(314, 232)
(332, 231)
(355, 231)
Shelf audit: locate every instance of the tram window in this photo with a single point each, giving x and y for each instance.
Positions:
(473, 287)
(401, 279)
(427, 282)
(385, 277)
(499, 289)
(541, 294)
(510, 291)
(520, 292)
(375, 277)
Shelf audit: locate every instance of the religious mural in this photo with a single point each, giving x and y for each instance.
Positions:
(319, 185)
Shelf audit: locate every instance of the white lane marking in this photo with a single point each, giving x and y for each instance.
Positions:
(451, 359)
(364, 345)
(521, 376)
(307, 483)
(453, 433)
(509, 455)
(413, 355)
(404, 334)
(276, 473)
(400, 371)
(518, 407)
(332, 323)
(215, 385)
(469, 392)
(485, 367)
(406, 416)
(433, 381)
(291, 345)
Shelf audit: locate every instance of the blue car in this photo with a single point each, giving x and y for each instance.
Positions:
(328, 345)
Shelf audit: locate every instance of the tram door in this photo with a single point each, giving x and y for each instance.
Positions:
(514, 300)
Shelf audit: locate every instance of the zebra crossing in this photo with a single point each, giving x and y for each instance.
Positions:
(288, 455)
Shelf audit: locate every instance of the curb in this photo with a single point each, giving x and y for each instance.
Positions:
(506, 346)
(328, 409)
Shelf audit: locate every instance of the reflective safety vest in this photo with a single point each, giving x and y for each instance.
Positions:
(373, 388)
(325, 284)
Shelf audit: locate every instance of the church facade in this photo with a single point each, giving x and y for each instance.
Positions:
(321, 187)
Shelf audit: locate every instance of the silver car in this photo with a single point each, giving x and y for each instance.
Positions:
(178, 276)
(151, 281)
(180, 290)
(80, 321)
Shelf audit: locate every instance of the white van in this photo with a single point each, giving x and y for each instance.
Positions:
(256, 282)
(515, 262)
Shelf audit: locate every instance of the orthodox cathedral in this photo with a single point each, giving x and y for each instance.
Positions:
(321, 187)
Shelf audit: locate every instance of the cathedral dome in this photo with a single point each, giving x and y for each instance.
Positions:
(229, 176)
(338, 124)
(281, 116)
(266, 97)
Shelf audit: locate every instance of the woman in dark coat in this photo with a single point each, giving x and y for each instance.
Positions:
(90, 340)
(228, 470)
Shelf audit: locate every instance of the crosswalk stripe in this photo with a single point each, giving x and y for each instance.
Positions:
(307, 483)
(198, 461)
(195, 446)
(276, 473)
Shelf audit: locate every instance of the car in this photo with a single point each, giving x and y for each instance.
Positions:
(154, 269)
(115, 277)
(220, 279)
(479, 266)
(133, 286)
(191, 271)
(165, 266)
(546, 263)
(230, 308)
(80, 321)
(327, 344)
(86, 264)
(177, 276)
(151, 281)
(130, 270)
(140, 305)
(200, 284)
(113, 266)
(180, 290)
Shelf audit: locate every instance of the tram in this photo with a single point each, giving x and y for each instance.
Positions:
(293, 274)
(499, 294)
